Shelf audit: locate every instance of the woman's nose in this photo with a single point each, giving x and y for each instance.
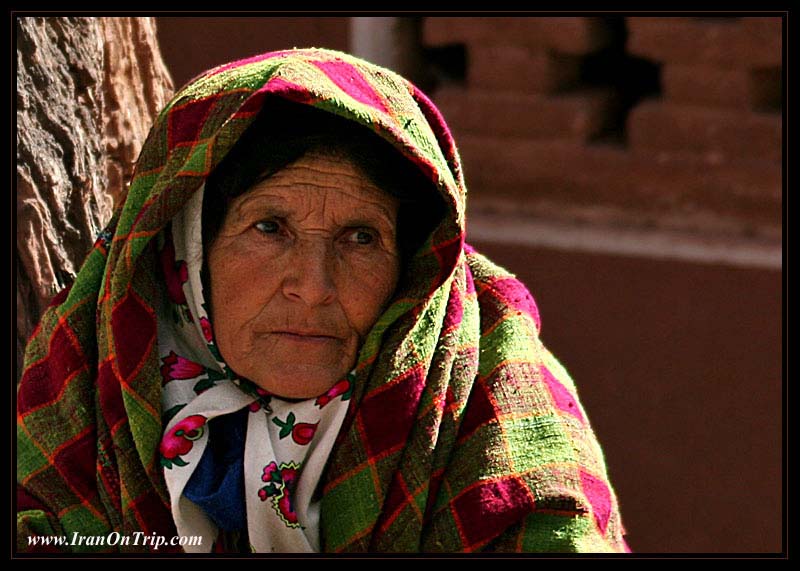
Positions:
(310, 276)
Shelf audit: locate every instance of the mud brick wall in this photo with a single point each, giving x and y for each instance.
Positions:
(682, 130)
(626, 123)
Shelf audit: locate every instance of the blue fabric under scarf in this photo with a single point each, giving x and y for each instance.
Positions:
(217, 484)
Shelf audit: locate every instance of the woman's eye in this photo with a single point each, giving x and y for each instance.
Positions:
(362, 237)
(267, 226)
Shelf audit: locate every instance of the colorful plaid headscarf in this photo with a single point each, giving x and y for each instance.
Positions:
(463, 432)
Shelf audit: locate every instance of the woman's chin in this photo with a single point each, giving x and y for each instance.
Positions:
(299, 381)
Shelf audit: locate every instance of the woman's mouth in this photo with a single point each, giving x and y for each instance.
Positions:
(306, 336)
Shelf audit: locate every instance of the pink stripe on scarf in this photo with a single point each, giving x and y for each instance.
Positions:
(352, 82)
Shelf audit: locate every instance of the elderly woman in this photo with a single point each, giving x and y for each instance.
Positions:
(282, 343)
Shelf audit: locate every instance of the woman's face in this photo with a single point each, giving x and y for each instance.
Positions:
(301, 269)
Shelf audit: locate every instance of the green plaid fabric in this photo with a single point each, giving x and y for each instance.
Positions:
(464, 433)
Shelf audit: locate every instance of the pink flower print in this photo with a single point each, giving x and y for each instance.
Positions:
(272, 476)
(208, 333)
(271, 472)
(180, 439)
(289, 474)
(256, 405)
(286, 502)
(287, 509)
(303, 432)
(281, 484)
(343, 387)
(176, 273)
(177, 367)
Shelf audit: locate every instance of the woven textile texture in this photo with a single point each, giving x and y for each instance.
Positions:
(463, 432)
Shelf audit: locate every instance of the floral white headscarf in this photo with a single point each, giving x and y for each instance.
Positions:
(287, 443)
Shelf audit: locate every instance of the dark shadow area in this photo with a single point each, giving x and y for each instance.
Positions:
(766, 90)
(447, 65)
(631, 78)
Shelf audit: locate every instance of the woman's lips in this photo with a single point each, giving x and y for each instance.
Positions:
(305, 337)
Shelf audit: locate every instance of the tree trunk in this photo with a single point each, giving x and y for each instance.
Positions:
(88, 90)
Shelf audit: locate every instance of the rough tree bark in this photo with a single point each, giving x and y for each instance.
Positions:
(88, 90)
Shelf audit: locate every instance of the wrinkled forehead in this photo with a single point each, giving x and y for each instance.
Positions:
(321, 182)
(324, 169)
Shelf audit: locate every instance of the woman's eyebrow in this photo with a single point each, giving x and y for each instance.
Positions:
(367, 213)
(362, 218)
(263, 203)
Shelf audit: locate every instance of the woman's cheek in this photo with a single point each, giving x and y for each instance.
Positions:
(375, 279)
